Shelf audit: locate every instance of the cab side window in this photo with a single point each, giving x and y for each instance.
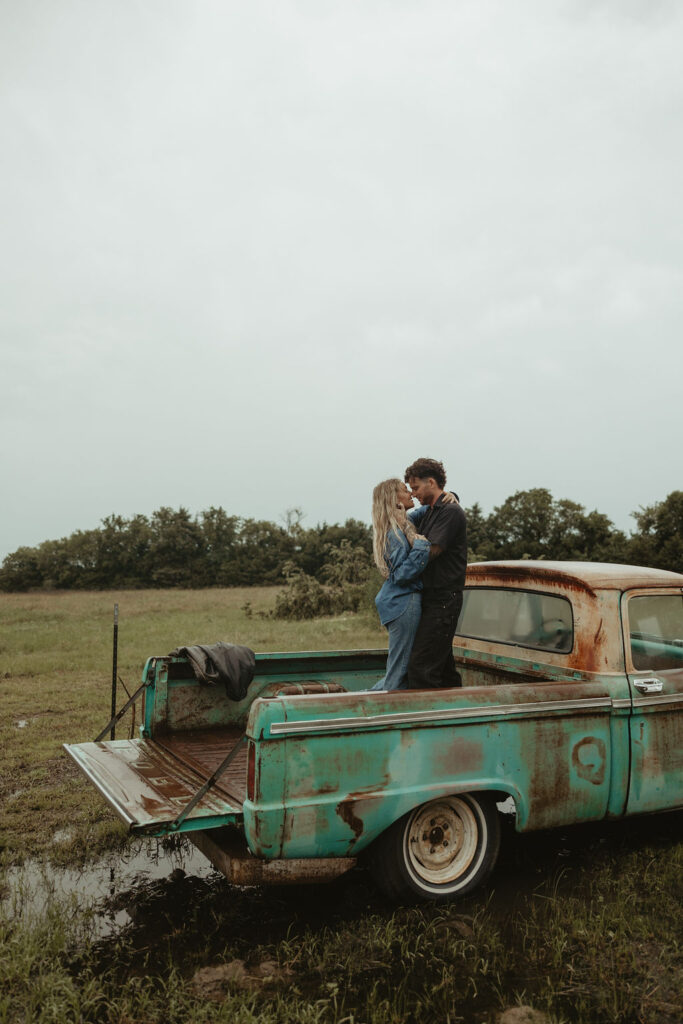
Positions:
(522, 617)
(656, 631)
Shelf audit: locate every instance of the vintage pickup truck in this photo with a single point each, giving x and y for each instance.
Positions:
(571, 705)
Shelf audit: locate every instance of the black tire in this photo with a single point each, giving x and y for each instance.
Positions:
(440, 850)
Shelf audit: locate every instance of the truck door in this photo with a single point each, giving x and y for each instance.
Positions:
(653, 638)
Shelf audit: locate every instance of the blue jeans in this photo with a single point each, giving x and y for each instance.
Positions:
(401, 635)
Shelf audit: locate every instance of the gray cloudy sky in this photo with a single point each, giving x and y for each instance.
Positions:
(265, 254)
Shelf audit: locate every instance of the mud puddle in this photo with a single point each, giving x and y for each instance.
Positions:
(162, 899)
(107, 889)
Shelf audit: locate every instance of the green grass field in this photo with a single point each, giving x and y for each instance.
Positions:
(584, 924)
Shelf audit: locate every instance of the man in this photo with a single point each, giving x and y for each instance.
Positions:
(431, 663)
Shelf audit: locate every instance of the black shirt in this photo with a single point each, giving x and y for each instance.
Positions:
(445, 525)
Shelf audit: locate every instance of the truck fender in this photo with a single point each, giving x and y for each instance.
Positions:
(369, 814)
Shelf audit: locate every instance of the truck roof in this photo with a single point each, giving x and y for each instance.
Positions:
(588, 575)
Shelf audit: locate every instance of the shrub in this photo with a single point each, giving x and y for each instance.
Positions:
(342, 588)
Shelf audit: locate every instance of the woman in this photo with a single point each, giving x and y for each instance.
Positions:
(401, 555)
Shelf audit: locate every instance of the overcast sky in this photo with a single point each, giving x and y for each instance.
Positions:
(264, 255)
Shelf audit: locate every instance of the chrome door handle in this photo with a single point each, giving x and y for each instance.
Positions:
(651, 685)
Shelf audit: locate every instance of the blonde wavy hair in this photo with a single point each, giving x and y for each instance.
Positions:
(388, 517)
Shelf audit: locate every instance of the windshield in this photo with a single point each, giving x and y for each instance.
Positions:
(656, 627)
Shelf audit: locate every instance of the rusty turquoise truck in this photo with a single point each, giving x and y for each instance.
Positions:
(571, 706)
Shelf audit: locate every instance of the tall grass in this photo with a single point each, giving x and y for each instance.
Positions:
(595, 942)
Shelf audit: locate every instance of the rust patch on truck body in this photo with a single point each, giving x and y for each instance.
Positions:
(589, 758)
(346, 810)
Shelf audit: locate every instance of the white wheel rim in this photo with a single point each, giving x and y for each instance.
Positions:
(442, 842)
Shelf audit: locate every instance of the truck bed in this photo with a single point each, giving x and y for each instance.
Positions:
(149, 782)
(203, 750)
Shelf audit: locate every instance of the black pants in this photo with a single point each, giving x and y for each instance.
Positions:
(431, 664)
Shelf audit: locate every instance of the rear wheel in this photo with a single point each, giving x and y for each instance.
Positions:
(440, 850)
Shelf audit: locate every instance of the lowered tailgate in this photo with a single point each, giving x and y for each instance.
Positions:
(149, 783)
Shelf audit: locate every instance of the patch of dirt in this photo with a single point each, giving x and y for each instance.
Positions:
(458, 923)
(522, 1015)
(214, 983)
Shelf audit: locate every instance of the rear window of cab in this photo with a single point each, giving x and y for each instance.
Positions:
(525, 618)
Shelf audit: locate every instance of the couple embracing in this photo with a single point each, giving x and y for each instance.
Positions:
(422, 553)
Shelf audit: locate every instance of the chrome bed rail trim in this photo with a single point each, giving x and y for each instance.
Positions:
(447, 715)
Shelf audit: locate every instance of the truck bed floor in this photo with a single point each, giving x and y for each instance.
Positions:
(202, 750)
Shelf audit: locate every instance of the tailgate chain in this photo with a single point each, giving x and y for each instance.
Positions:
(203, 790)
(119, 715)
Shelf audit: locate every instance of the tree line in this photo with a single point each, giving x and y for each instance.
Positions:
(532, 524)
(172, 548)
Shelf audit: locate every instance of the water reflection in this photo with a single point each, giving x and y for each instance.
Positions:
(163, 894)
(99, 887)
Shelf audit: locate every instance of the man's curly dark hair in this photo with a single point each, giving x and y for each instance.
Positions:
(424, 468)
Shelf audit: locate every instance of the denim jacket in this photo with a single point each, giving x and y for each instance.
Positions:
(406, 566)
